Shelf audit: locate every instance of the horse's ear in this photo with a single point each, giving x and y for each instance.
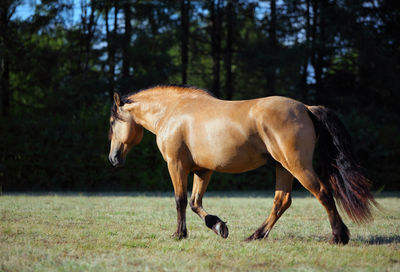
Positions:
(117, 99)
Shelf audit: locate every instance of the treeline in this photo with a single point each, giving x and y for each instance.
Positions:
(62, 62)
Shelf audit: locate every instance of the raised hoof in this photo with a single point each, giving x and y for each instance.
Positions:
(217, 225)
(221, 229)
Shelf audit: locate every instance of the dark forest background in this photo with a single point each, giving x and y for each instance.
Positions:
(61, 64)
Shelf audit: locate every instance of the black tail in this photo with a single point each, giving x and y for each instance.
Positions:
(340, 170)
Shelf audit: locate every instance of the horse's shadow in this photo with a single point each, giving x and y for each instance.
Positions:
(378, 239)
(370, 240)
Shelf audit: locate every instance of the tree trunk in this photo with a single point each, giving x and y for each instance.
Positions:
(216, 17)
(5, 93)
(5, 86)
(322, 52)
(271, 77)
(317, 54)
(185, 7)
(126, 44)
(304, 72)
(88, 29)
(111, 48)
(230, 18)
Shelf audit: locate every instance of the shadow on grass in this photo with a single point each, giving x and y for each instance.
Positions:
(371, 240)
(378, 239)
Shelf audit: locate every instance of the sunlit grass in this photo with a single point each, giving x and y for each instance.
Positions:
(128, 233)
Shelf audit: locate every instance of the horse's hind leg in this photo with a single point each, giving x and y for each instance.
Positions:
(282, 201)
(311, 182)
(200, 183)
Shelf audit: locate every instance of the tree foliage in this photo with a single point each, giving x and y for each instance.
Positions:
(61, 64)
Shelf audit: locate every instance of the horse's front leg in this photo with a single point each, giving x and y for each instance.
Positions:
(179, 180)
(200, 183)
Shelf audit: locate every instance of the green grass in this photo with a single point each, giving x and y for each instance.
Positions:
(133, 233)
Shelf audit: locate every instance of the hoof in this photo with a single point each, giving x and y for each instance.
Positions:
(258, 235)
(217, 225)
(340, 239)
(251, 238)
(221, 229)
(179, 235)
(341, 236)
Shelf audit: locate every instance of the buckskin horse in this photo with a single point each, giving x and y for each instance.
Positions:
(196, 132)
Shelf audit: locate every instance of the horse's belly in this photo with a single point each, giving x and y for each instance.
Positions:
(240, 165)
(233, 158)
(227, 145)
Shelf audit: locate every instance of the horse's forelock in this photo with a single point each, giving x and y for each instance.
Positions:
(114, 111)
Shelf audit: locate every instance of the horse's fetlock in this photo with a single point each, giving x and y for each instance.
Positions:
(191, 203)
(287, 201)
(194, 206)
(278, 202)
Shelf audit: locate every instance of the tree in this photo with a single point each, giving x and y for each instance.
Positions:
(88, 27)
(304, 68)
(185, 8)
(273, 45)
(230, 40)
(8, 8)
(216, 17)
(111, 37)
(126, 45)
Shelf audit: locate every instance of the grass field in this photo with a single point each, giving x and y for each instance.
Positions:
(133, 233)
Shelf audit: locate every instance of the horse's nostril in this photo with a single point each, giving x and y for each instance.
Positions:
(116, 161)
(113, 160)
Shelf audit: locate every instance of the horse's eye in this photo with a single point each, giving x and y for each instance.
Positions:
(112, 122)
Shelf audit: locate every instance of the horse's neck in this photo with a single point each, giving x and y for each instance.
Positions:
(149, 112)
(151, 106)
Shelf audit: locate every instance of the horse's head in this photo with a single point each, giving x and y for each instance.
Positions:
(124, 131)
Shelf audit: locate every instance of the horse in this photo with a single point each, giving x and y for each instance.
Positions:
(196, 132)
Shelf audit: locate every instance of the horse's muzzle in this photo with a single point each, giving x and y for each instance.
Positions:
(116, 160)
